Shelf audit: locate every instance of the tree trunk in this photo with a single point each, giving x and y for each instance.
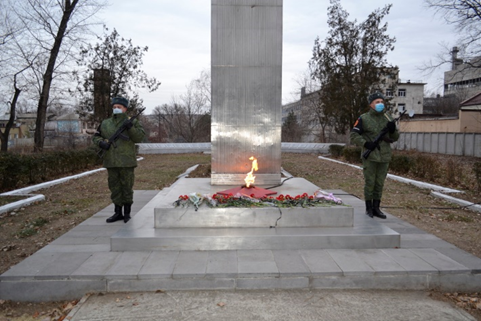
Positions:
(11, 120)
(48, 75)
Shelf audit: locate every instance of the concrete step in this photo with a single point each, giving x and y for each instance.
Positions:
(202, 239)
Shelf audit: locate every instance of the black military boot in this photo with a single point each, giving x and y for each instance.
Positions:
(369, 211)
(376, 211)
(117, 216)
(127, 208)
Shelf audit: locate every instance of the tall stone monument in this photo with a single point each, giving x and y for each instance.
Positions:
(246, 70)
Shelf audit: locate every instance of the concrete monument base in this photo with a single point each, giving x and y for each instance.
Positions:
(168, 216)
(184, 229)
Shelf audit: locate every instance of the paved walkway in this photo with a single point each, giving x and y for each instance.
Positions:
(81, 262)
(267, 305)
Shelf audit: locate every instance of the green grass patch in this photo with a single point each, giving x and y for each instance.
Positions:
(31, 228)
(26, 232)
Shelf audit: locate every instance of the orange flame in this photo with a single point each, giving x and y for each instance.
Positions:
(250, 179)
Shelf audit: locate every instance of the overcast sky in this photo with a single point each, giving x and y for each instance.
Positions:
(177, 33)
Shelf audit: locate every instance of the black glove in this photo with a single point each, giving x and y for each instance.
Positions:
(370, 145)
(128, 124)
(391, 126)
(104, 145)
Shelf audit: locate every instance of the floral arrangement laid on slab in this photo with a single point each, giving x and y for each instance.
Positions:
(319, 198)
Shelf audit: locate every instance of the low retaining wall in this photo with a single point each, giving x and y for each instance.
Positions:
(179, 148)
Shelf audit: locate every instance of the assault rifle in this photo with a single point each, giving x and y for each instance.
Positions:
(119, 133)
(380, 137)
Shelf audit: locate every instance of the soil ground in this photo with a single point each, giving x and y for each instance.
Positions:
(25, 231)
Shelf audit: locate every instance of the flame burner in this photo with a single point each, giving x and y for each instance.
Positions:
(258, 192)
(249, 189)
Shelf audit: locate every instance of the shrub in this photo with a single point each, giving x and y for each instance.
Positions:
(400, 164)
(18, 170)
(477, 173)
(425, 166)
(352, 154)
(453, 171)
(336, 150)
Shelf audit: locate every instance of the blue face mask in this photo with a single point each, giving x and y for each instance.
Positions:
(379, 107)
(117, 111)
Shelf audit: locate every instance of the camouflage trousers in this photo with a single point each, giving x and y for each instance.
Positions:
(121, 183)
(374, 176)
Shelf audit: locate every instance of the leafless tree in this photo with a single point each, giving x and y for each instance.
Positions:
(158, 126)
(187, 117)
(54, 28)
(465, 17)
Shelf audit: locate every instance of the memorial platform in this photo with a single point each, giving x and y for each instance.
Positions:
(267, 228)
(82, 261)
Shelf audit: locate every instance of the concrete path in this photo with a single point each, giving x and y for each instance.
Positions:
(332, 305)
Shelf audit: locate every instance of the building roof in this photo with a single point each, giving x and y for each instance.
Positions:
(472, 103)
(71, 116)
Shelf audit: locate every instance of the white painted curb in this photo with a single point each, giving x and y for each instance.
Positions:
(434, 188)
(36, 198)
(29, 189)
(12, 206)
(404, 180)
(468, 205)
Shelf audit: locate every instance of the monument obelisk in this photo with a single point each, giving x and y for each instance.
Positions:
(246, 71)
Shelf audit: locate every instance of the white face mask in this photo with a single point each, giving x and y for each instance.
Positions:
(117, 110)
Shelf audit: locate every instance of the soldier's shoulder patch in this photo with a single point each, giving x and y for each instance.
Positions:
(357, 122)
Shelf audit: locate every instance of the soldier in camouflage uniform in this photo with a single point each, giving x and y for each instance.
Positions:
(375, 168)
(120, 158)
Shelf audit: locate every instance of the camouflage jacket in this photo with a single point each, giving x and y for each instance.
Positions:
(367, 127)
(122, 153)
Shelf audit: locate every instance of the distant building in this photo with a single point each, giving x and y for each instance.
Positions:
(467, 120)
(402, 95)
(464, 78)
(18, 130)
(409, 96)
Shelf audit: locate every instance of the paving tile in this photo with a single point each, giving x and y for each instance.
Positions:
(31, 265)
(380, 262)
(63, 265)
(413, 241)
(91, 248)
(290, 263)
(159, 264)
(350, 263)
(467, 259)
(320, 262)
(253, 263)
(78, 240)
(222, 264)
(127, 265)
(190, 264)
(412, 263)
(408, 230)
(95, 230)
(96, 266)
(440, 261)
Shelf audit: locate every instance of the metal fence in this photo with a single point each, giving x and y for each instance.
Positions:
(461, 144)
